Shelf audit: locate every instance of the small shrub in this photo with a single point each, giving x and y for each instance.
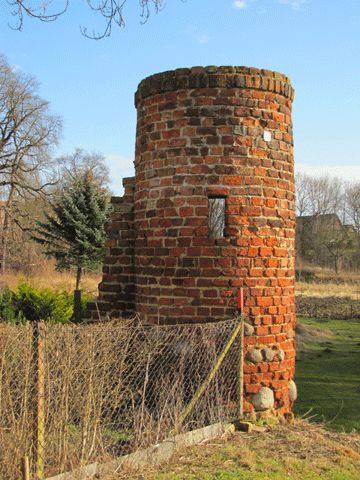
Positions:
(304, 275)
(7, 309)
(29, 303)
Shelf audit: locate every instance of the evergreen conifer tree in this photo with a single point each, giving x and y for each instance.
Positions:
(74, 231)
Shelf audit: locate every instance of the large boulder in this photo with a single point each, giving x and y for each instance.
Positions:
(281, 355)
(254, 356)
(264, 399)
(248, 329)
(293, 394)
(268, 354)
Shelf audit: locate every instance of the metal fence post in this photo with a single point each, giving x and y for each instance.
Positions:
(39, 337)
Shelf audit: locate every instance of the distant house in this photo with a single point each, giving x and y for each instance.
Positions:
(324, 240)
(351, 230)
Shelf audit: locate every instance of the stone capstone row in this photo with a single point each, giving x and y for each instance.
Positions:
(214, 77)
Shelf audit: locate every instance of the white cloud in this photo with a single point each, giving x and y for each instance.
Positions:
(120, 167)
(120, 160)
(16, 68)
(240, 4)
(346, 172)
(192, 33)
(294, 4)
(244, 4)
(203, 38)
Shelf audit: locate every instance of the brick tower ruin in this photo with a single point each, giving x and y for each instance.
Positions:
(211, 209)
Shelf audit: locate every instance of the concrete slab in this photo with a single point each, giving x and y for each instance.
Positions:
(151, 456)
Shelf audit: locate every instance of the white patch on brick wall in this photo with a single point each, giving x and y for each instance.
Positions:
(267, 136)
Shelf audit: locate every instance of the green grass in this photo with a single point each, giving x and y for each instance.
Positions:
(268, 470)
(299, 451)
(328, 375)
(116, 435)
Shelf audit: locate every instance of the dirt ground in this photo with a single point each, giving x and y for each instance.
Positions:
(341, 308)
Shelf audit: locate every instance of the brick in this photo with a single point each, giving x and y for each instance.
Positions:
(264, 301)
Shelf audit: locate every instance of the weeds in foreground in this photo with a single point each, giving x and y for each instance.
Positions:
(299, 451)
(109, 388)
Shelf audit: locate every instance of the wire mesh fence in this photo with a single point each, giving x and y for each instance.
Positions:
(72, 394)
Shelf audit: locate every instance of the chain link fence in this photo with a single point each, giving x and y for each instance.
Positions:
(72, 394)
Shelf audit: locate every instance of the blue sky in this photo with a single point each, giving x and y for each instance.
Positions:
(91, 84)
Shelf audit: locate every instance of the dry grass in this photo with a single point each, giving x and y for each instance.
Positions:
(326, 273)
(46, 276)
(331, 289)
(325, 283)
(345, 284)
(342, 276)
(299, 450)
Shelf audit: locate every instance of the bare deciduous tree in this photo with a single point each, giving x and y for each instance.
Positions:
(27, 133)
(335, 238)
(352, 204)
(329, 225)
(352, 209)
(302, 194)
(318, 195)
(112, 12)
(74, 165)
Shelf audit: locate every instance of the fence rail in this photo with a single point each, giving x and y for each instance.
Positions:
(72, 394)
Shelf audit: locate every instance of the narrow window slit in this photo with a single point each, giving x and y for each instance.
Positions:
(216, 220)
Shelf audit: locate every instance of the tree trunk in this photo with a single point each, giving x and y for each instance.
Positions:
(78, 278)
(5, 229)
(77, 296)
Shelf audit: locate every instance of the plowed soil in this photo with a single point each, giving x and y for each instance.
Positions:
(342, 308)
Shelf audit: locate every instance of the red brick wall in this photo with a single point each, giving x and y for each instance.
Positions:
(117, 288)
(200, 133)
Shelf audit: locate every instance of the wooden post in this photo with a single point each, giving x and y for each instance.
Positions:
(240, 301)
(241, 369)
(39, 336)
(25, 468)
(241, 355)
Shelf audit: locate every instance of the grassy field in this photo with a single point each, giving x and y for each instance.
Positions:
(328, 372)
(325, 283)
(348, 289)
